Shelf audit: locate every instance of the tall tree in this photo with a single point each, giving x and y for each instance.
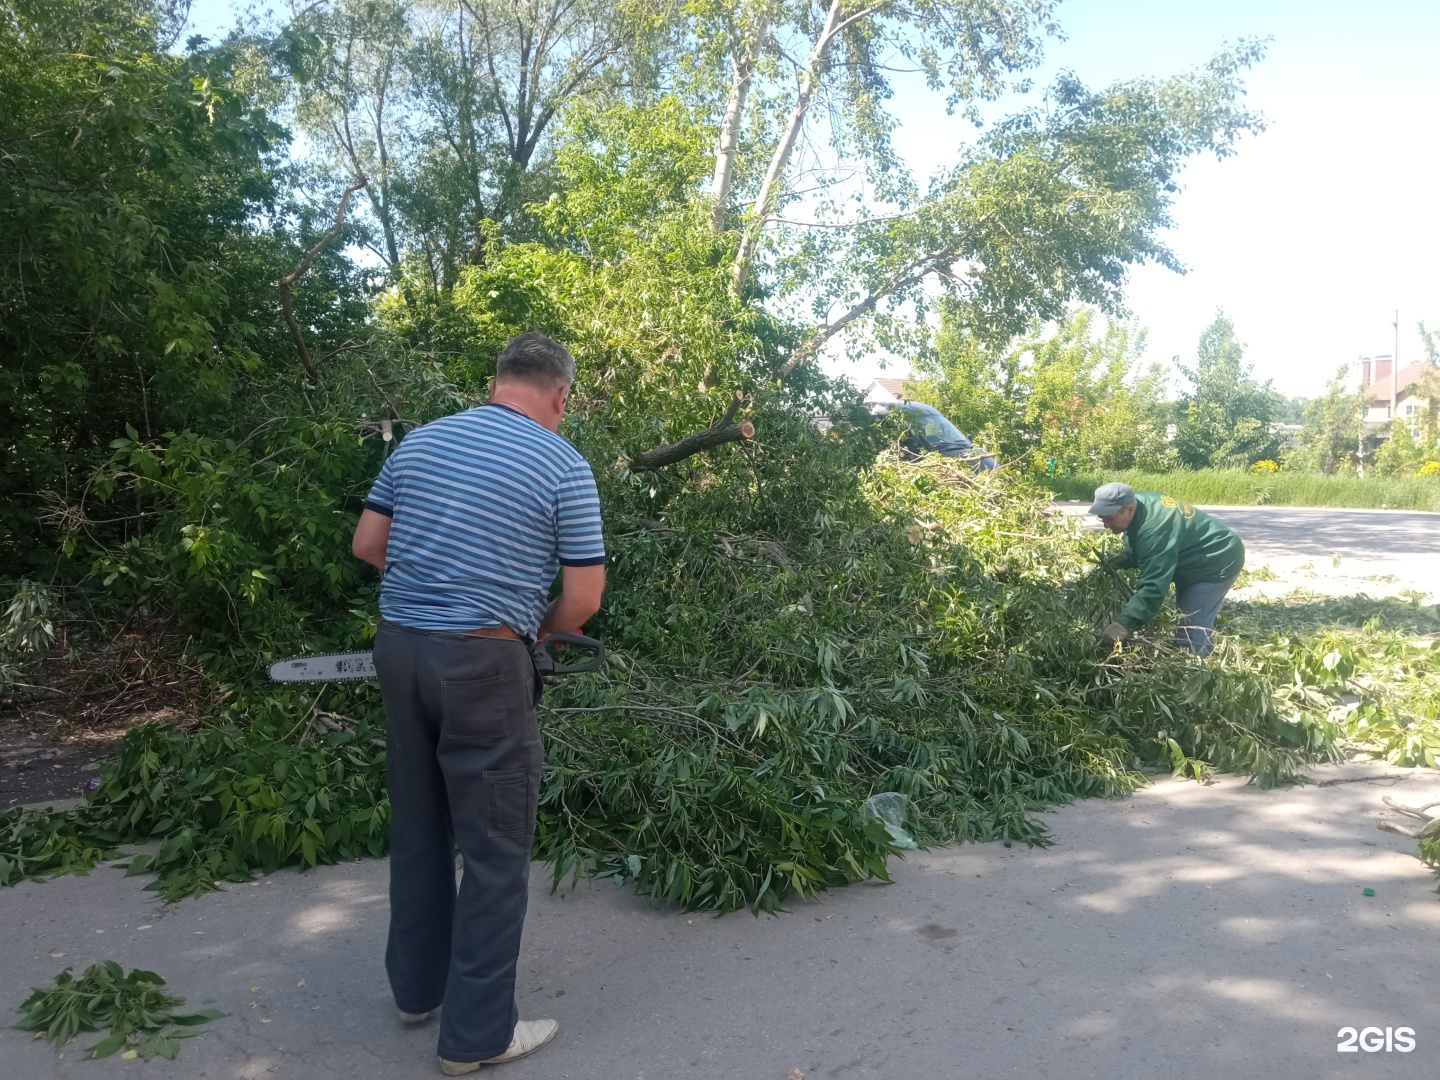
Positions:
(448, 104)
(1332, 438)
(1073, 399)
(965, 48)
(355, 96)
(1225, 418)
(1053, 207)
(134, 286)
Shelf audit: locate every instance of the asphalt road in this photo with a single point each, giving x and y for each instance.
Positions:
(1381, 552)
(1354, 534)
(1187, 931)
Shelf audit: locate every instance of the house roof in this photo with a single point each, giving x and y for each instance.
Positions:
(890, 389)
(1407, 377)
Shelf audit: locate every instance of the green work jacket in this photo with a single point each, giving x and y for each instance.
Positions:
(1172, 541)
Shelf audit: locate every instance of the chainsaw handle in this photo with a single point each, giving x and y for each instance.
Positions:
(579, 641)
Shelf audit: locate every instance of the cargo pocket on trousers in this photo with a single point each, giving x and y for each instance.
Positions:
(507, 801)
(481, 712)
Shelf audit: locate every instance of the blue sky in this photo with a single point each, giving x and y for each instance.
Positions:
(1319, 228)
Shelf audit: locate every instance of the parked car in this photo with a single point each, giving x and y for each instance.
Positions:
(931, 432)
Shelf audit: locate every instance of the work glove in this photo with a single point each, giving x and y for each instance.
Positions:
(1114, 633)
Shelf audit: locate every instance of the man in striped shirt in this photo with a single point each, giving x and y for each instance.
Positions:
(470, 519)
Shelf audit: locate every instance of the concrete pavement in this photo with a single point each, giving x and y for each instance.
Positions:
(1188, 931)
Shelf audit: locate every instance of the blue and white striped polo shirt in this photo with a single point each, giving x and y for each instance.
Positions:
(486, 506)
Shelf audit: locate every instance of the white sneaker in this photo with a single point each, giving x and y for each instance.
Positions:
(529, 1036)
(415, 1018)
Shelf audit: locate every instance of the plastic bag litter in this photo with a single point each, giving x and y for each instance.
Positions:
(889, 808)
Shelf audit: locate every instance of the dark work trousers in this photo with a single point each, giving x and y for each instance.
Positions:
(1199, 603)
(464, 761)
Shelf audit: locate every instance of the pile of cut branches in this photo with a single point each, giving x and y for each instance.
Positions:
(929, 632)
(789, 639)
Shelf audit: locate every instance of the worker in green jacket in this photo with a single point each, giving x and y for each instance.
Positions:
(1170, 541)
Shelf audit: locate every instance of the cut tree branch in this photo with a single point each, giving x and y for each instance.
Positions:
(911, 273)
(288, 281)
(725, 430)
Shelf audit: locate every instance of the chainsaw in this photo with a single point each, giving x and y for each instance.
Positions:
(338, 667)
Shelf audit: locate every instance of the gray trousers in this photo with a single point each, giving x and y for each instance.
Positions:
(1199, 603)
(463, 764)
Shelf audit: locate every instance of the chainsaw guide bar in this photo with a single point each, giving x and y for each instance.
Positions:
(333, 668)
(361, 665)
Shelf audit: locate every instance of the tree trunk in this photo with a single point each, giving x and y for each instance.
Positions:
(743, 73)
(287, 307)
(770, 187)
(382, 202)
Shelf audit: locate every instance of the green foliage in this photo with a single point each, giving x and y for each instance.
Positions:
(38, 844)
(1240, 487)
(231, 800)
(1430, 853)
(1291, 410)
(787, 643)
(930, 634)
(1398, 717)
(799, 623)
(1401, 454)
(138, 1013)
(137, 282)
(27, 627)
(249, 537)
(1332, 434)
(1391, 677)
(1070, 402)
(1052, 209)
(1224, 419)
(225, 802)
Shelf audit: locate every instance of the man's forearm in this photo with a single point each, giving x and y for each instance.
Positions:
(566, 615)
(580, 590)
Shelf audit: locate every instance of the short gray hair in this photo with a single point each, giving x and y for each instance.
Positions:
(536, 358)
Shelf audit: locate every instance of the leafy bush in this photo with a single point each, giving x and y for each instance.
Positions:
(27, 627)
(250, 539)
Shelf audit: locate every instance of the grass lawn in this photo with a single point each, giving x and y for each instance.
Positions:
(1233, 487)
